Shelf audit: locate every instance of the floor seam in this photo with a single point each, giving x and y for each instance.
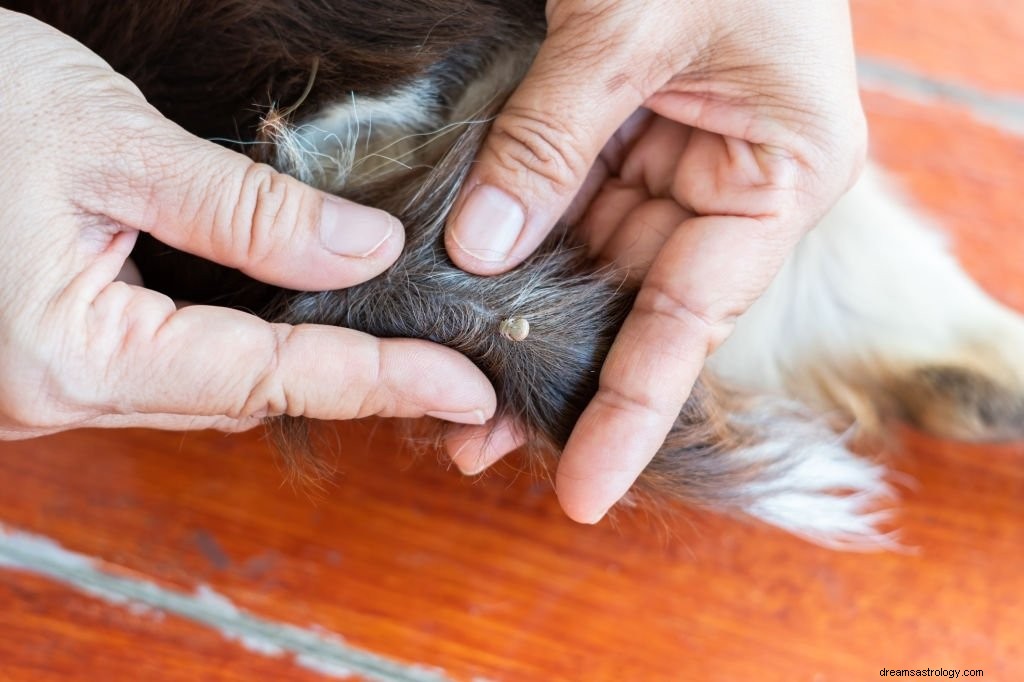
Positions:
(321, 652)
(1001, 110)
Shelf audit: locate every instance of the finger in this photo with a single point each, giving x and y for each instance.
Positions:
(607, 164)
(215, 362)
(201, 198)
(607, 212)
(542, 145)
(475, 448)
(160, 422)
(646, 169)
(170, 422)
(642, 234)
(709, 271)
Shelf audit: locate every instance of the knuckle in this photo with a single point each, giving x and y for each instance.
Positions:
(371, 394)
(657, 300)
(622, 402)
(264, 214)
(711, 322)
(530, 142)
(268, 394)
(378, 388)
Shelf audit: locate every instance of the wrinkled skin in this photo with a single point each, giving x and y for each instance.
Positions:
(88, 166)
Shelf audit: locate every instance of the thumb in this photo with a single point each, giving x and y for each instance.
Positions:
(215, 203)
(542, 145)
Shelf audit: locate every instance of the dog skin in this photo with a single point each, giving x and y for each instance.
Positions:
(871, 318)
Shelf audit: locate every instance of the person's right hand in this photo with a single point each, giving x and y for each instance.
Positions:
(88, 164)
(696, 142)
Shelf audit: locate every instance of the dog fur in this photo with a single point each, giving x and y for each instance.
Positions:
(870, 320)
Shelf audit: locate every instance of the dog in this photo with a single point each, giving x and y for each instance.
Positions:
(870, 320)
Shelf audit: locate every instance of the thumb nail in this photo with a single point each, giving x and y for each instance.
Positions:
(489, 224)
(349, 229)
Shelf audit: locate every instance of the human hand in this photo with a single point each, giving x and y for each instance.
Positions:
(88, 164)
(695, 143)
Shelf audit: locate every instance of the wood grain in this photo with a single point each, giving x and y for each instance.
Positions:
(970, 43)
(52, 633)
(486, 579)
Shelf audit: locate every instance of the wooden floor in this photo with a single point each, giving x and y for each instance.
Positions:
(150, 556)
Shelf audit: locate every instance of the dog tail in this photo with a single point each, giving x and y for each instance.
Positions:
(772, 460)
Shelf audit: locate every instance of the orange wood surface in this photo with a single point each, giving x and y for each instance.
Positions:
(54, 634)
(486, 579)
(975, 42)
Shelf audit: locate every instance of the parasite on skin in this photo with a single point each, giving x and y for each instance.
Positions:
(515, 328)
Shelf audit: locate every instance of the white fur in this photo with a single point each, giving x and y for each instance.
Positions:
(361, 139)
(365, 136)
(819, 490)
(873, 284)
(871, 289)
(811, 485)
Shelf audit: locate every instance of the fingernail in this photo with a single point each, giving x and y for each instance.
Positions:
(487, 448)
(478, 463)
(489, 224)
(473, 417)
(349, 229)
(474, 468)
(594, 519)
(470, 465)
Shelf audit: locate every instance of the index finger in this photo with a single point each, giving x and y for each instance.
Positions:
(709, 271)
(149, 358)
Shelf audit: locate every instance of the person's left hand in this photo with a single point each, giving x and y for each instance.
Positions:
(88, 165)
